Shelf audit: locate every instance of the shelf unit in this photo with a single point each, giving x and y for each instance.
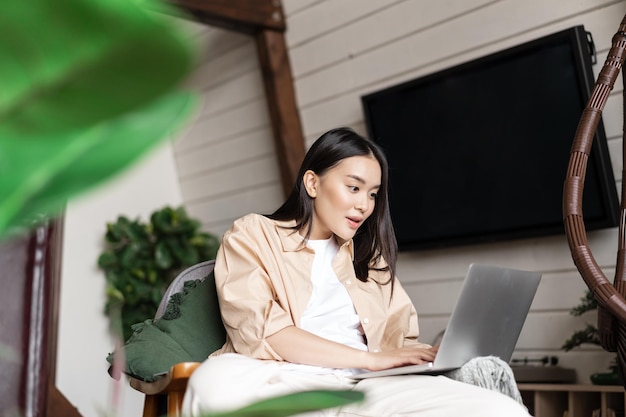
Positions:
(573, 400)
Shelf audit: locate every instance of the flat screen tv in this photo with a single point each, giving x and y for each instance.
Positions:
(479, 152)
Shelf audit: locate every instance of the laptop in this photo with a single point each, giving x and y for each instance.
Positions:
(487, 320)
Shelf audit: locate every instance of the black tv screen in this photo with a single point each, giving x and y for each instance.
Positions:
(479, 152)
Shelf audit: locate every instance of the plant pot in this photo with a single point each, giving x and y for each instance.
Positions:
(610, 377)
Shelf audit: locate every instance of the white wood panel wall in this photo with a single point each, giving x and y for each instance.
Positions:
(225, 157)
(343, 49)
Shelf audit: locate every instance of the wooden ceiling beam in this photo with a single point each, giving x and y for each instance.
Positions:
(245, 16)
(281, 102)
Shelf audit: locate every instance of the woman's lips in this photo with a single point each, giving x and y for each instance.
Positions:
(354, 223)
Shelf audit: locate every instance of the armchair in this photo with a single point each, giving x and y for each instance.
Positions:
(186, 328)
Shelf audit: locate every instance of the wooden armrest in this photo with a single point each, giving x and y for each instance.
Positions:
(174, 380)
(170, 387)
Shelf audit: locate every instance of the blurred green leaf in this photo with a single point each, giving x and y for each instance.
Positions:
(107, 260)
(86, 90)
(587, 303)
(587, 335)
(162, 255)
(190, 252)
(296, 403)
(114, 295)
(69, 64)
(40, 174)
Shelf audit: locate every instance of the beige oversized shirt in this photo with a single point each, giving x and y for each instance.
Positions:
(263, 280)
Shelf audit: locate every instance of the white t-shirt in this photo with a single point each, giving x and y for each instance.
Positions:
(330, 312)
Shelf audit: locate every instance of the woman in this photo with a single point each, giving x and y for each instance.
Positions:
(308, 296)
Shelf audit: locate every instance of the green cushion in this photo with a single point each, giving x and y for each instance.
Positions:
(190, 329)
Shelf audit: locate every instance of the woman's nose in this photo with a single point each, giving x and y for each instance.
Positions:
(361, 203)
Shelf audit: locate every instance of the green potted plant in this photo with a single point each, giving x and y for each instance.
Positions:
(589, 334)
(142, 258)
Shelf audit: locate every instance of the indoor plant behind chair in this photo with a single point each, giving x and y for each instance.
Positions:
(141, 259)
(590, 335)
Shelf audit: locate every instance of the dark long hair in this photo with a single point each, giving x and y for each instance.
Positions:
(375, 239)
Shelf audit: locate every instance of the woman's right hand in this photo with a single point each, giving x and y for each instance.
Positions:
(299, 346)
(377, 361)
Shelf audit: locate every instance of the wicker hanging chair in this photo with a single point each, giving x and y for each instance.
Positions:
(611, 297)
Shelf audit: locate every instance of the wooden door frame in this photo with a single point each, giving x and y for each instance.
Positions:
(265, 21)
(30, 268)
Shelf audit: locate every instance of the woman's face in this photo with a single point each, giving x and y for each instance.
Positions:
(343, 197)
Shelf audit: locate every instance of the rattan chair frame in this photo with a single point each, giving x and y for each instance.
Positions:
(610, 296)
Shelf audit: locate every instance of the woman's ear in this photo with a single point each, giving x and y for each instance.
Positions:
(309, 179)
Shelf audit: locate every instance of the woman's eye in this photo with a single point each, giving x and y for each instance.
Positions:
(353, 188)
(373, 196)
